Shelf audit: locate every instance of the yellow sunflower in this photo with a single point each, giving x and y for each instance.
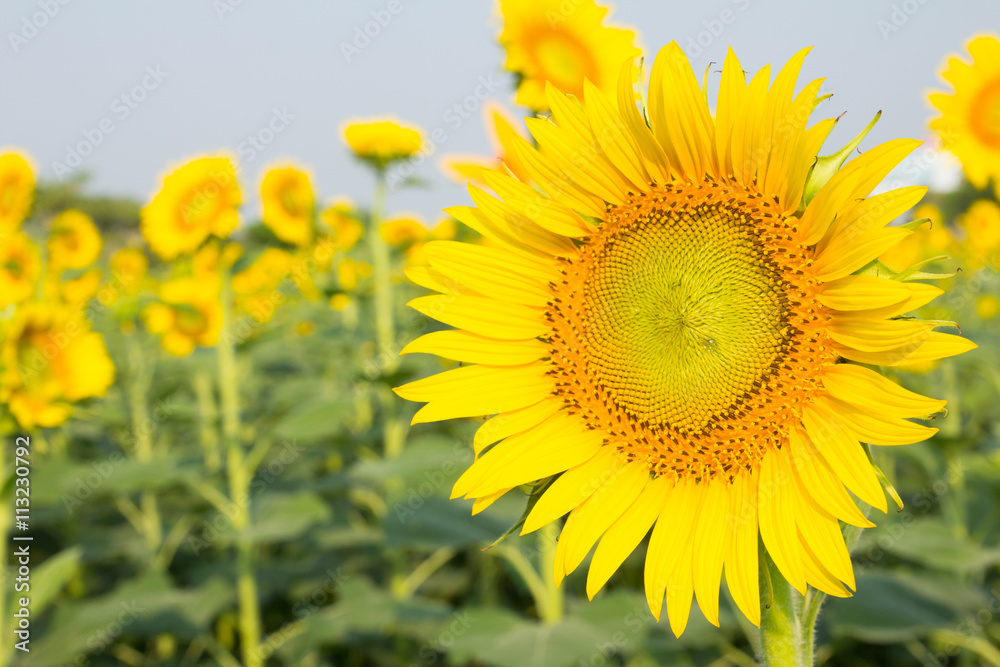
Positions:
(288, 202)
(197, 200)
(981, 225)
(74, 241)
(562, 43)
(340, 216)
(931, 239)
(675, 326)
(128, 271)
(969, 125)
(381, 141)
(49, 359)
(255, 287)
(78, 291)
(20, 268)
(17, 188)
(188, 314)
(402, 230)
(470, 168)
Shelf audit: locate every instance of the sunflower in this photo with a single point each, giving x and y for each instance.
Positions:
(981, 225)
(562, 43)
(969, 125)
(672, 322)
(17, 187)
(20, 268)
(78, 291)
(470, 168)
(74, 242)
(931, 239)
(188, 314)
(402, 230)
(288, 202)
(341, 218)
(381, 141)
(49, 359)
(128, 271)
(197, 200)
(255, 287)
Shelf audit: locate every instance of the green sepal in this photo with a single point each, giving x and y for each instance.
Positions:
(533, 498)
(880, 270)
(883, 480)
(827, 165)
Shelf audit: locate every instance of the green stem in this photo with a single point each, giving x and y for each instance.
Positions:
(140, 379)
(385, 332)
(208, 416)
(239, 487)
(782, 635)
(547, 537)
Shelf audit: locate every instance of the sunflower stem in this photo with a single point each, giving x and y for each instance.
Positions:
(239, 487)
(552, 610)
(783, 638)
(384, 320)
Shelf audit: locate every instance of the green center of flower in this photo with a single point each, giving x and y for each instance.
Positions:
(682, 315)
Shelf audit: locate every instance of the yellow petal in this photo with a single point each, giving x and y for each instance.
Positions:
(477, 390)
(877, 428)
(475, 349)
(672, 531)
(492, 272)
(532, 204)
(517, 421)
(653, 155)
(776, 497)
(574, 487)
(612, 134)
(711, 541)
(486, 317)
(864, 387)
(741, 554)
(845, 255)
(878, 335)
(732, 88)
(818, 481)
(482, 503)
(935, 346)
(624, 535)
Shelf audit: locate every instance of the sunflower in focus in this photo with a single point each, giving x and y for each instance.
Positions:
(562, 43)
(341, 218)
(969, 125)
(382, 141)
(197, 200)
(288, 202)
(680, 329)
(188, 314)
(20, 269)
(74, 242)
(49, 359)
(17, 188)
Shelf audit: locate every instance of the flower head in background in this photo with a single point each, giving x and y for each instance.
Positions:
(562, 43)
(981, 227)
(20, 269)
(188, 314)
(969, 125)
(197, 200)
(675, 327)
(382, 141)
(49, 359)
(78, 291)
(17, 188)
(128, 270)
(341, 218)
(74, 241)
(288, 204)
(255, 287)
(402, 230)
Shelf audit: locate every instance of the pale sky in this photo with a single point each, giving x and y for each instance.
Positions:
(153, 83)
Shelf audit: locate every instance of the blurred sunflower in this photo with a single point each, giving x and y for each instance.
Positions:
(981, 225)
(197, 200)
(382, 141)
(562, 43)
(255, 287)
(78, 291)
(340, 217)
(50, 359)
(969, 125)
(128, 270)
(20, 269)
(74, 242)
(402, 230)
(17, 188)
(188, 314)
(669, 328)
(288, 202)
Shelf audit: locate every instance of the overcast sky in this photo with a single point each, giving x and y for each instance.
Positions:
(153, 83)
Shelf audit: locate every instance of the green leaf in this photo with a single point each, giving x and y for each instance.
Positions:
(282, 516)
(49, 578)
(828, 165)
(315, 421)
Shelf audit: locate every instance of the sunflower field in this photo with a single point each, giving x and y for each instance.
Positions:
(678, 382)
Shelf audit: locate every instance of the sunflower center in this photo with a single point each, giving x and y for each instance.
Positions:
(687, 329)
(681, 314)
(985, 116)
